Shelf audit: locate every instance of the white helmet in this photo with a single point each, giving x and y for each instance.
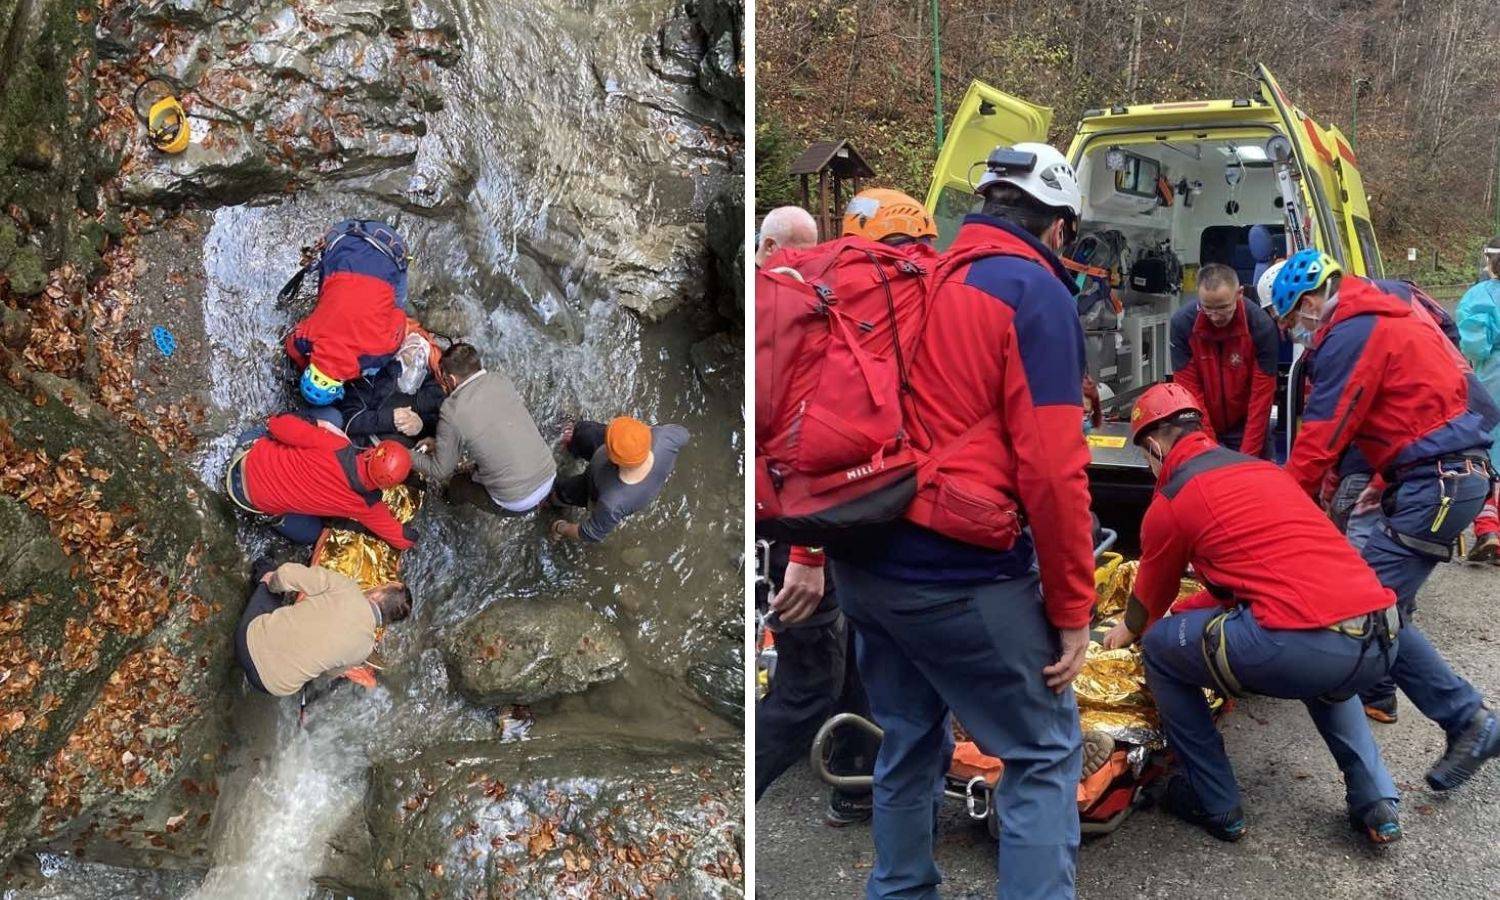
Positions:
(1267, 278)
(1039, 170)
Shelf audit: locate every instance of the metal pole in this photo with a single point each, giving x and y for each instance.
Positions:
(937, 77)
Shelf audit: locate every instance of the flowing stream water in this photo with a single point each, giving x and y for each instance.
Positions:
(669, 579)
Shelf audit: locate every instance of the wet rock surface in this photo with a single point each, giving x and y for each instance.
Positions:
(578, 177)
(528, 650)
(279, 92)
(553, 818)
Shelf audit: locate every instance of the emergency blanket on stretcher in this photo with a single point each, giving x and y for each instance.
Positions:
(1112, 699)
(366, 558)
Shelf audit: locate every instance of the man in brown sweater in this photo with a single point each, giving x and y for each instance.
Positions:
(333, 629)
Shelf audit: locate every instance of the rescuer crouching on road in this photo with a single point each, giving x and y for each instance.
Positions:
(1290, 611)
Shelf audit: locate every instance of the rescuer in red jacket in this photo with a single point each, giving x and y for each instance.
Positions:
(359, 321)
(947, 607)
(1224, 350)
(815, 671)
(1290, 611)
(1388, 381)
(305, 472)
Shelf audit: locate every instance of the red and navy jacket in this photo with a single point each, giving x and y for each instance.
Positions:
(358, 324)
(1231, 370)
(997, 404)
(304, 469)
(1387, 380)
(1253, 537)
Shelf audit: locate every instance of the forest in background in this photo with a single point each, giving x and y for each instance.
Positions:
(1426, 73)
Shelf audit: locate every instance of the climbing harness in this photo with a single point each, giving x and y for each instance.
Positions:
(1216, 656)
(234, 484)
(166, 121)
(1472, 464)
(1380, 627)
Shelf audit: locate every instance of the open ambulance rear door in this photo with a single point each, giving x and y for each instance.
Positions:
(1315, 161)
(1359, 234)
(985, 119)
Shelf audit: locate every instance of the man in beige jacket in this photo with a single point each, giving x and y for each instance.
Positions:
(485, 419)
(333, 629)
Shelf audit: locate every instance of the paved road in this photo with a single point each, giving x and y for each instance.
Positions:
(1299, 845)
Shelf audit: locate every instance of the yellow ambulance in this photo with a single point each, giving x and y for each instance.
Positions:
(1167, 188)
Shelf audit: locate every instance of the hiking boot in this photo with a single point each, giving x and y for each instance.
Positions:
(1382, 711)
(260, 568)
(1378, 822)
(1479, 741)
(1182, 801)
(846, 810)
(1485, 549)
(1097, 748)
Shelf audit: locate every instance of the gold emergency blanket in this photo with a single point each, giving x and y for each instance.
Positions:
(1111, 690)
(366, 558)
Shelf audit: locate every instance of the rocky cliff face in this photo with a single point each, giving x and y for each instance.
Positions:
(119, 594)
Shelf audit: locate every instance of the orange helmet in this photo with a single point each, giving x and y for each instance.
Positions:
(1158, 403)
(879, 213)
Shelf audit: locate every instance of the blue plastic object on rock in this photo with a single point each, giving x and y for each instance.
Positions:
(165, 341)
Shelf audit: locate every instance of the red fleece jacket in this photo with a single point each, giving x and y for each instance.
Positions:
(304, 469)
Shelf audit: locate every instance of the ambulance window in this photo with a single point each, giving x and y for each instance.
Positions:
(1368, 248)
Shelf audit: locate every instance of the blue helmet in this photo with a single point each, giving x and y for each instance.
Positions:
(318, 389)
(1306, 270)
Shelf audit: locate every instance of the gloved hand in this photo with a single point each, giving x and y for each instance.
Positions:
(407, 422)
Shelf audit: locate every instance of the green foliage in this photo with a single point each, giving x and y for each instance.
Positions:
(775, 148)
(862, 70)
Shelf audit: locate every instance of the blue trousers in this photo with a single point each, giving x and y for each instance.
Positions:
(979, 651)
(1412, 506)
(1295, 665)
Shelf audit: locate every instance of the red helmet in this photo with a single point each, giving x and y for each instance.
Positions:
(1160, 402)
(387, 463)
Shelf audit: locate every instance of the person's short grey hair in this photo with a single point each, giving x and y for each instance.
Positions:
(1214, 276)
(789, 226)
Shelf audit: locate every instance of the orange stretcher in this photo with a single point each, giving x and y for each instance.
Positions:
(1112, 701)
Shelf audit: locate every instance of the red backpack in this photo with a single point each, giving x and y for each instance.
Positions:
(835, 327)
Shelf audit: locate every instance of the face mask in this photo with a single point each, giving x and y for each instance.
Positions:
(1302, 336)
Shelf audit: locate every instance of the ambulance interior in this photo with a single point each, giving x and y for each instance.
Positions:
(1160, 210)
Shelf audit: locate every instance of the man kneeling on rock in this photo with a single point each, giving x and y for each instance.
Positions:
(333, 629)
(1290, 611)
(628, 465)
(485, 418)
